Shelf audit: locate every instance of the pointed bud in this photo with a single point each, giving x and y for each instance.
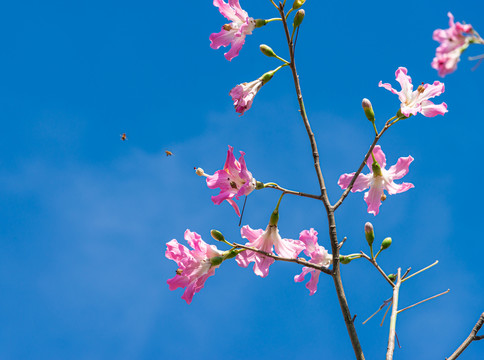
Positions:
(267, 51)
(217, 235)
(260, 23)
(259, 185)
(369, 233)
(344, 259)
(386, 243)
(216, 260)
(231, 254)
(297, 4)
(370, 115)
(298, 19)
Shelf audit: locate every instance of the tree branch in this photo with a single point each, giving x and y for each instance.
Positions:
(373, 261)
(292, 192)
(472, 337)
(393, 319)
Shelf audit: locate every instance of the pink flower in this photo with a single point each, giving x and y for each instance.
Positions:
(414, 102)
(235, 32)
(234, 180)
(194, 266)
(319, 256)
(265, 240)
(452, 43)
(379, 179)
(243, 95)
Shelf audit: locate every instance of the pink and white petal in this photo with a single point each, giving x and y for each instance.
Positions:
(244, 174)
(243, 259)
(405, 82)
(177, 252)
(224, 195)
(305, 271)
(222, 38)
(312, 284)
(231, 165)
(410, 110)
(310, 239)
(400, 169)
(388, 87)
(189, 292)
(361, 183)
(237, 43)
(379, 157)
(250, 234)
(373, 200)
(289, 248)
(430, 109)
(235, 206)
(432, 90)
(226, 10)
(219, 180)
(262, 264)
(238, 11)
(178, 281)
(394, 188)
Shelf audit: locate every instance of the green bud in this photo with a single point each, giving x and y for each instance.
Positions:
(376, 169)
(392, 277)
(370, 115)
(274, 218)
(259, 185)
(260, 23)
(216, 260)
(298, 19)
(217, 235)
(231, 254)
(297, 4)
(386, 243)
(344, 259)
(267, 76)
(369, 233)
(267, 51)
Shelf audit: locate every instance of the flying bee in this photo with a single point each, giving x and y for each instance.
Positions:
(168, 153)
(123, 136)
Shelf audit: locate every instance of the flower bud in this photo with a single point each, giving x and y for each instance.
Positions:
(369, 233)
(392, 277)
(267, 51)
(217, 235)
(267, 76)
(260, 23)
(216, 260)
(370, 115)
(231, 254)
(386, 243)
(297, 4)
(344, 259)
(298, 19)
(259, 185)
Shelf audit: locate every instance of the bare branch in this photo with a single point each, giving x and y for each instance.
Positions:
(420, 302)
(373, 261)
(393, 319)
(472, 337)
(298, 193)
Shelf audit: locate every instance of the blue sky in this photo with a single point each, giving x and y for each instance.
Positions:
(84, 217)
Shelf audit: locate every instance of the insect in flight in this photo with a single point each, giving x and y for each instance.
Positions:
(123, 136)
(168, 153)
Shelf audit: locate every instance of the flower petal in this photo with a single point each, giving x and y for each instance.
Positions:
(373, 199)
(394, 188)
(361, 183)
(430, 109)
(379, 157)
(400, 169)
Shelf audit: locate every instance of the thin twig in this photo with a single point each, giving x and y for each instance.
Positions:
(385, 303)
(342, 242)
(373, 261)
(292, 192)
(393, 319)
(385, 315)
(406, 273)
(300, 261)
(338, 284)
(418, 272)
(472, 337)
(420, 302)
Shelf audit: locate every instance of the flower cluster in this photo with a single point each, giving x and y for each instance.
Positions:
(453, 41)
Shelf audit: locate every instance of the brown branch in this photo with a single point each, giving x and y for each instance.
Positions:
(420, 302)
(329, 209)
(300, 261)
(298, 193)
(373, 261)
(393, 319)
(472, 337)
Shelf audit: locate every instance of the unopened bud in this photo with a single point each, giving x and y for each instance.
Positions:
(297, 4)
(259, 185)
(199, 172)
(369, 233)
(298, 19)
(217, 235)
(370, 115)
(267, 51)
(344, 259)
(260, 23)
(231, 254)
(386, 243)
(216, 260)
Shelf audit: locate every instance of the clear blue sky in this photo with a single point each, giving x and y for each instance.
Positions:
(84, 217)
